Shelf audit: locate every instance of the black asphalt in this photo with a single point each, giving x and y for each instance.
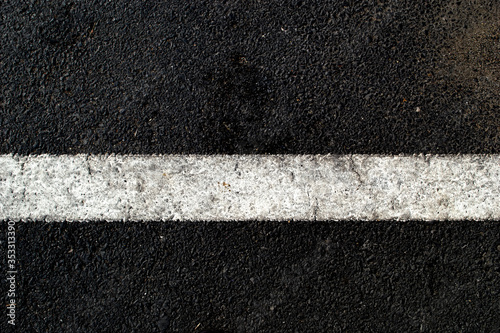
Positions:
(207, 77)
(258, 277)
(256, 77)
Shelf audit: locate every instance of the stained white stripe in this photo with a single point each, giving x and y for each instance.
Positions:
(249, 187)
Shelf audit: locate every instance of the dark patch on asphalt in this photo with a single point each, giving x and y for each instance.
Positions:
(63, 28)
(238, 99)
(249, 77)
(257, 276)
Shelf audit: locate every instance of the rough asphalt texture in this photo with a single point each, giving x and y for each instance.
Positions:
(250, 76)
(258, 277)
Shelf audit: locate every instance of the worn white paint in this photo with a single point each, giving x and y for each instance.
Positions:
(249, 187)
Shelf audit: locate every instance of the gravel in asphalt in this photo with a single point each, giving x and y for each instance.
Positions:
(250, 76)
(257, 276)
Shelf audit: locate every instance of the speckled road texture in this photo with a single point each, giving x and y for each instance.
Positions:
(250, 76)
(254, 77)
(258, 277)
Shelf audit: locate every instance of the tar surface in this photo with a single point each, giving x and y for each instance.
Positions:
(250, 76)
(258, 277)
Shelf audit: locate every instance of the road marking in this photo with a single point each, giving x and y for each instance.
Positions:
(249, 187)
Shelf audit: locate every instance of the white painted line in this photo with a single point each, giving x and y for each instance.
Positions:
(249, 187)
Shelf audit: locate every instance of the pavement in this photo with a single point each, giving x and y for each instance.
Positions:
(258, 276)
(250, 77)
(254, 77)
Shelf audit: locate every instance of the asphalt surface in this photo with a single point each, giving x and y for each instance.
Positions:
(252, 77)
(258, 277)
